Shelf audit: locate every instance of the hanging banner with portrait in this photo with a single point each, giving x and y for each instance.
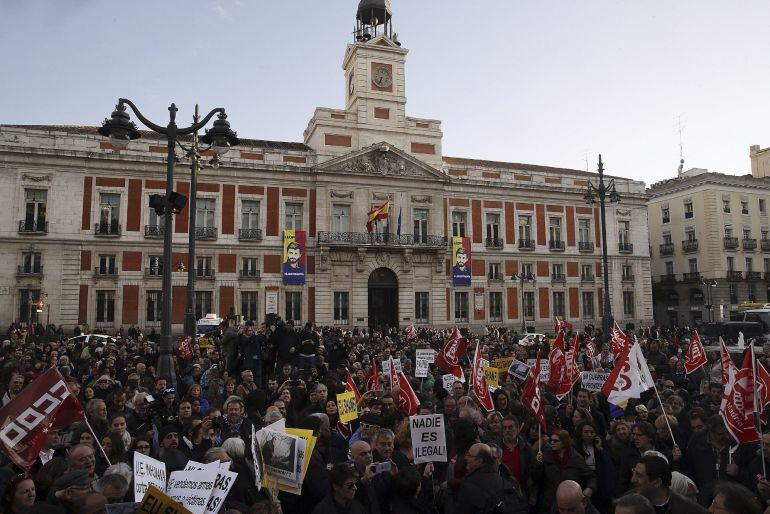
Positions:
(461, 261)
(294, 257)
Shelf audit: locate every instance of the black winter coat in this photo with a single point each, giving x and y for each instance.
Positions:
(329, 506)
(481, 490)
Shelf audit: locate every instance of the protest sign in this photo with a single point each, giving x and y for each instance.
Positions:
(593, 380)
(428, 438)
(222, 485)
(448, 380)
(493, 377)
(503, 362)
(155, 501)
(147, 471)
(423, 359)
(518, 369)
(545, 368)
(192, 488)
(279, 454)
(347, 407)
(122, 508)
(386, 368)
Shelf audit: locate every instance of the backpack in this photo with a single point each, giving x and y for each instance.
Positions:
(509, 500)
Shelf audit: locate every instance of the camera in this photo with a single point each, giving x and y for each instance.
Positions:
(216, 423)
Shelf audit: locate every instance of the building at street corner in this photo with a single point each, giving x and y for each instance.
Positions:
(710, 240)
(364, 222)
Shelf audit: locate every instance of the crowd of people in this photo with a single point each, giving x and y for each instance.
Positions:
(663, 454)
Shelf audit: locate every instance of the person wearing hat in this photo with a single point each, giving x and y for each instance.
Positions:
(369, 423)
(69, 487)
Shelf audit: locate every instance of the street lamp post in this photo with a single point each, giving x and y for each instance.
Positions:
(121, 131)
(605, 192)
(523, 277)
(709, 283)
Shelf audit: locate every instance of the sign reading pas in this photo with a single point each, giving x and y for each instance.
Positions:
(461, 261)
(294, 257)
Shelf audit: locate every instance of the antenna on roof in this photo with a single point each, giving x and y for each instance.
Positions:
(681, 151)
(586, 156)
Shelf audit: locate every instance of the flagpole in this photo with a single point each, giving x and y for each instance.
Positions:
(665, 416)
(756, 409)
(98, 442)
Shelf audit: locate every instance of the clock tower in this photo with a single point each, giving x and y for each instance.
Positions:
(375, 96)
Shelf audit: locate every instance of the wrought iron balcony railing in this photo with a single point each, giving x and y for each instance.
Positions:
(107, 271)
(205, 273)
(692, 276)
(731, 243)
(753, 276)
(252, 274)
(587, 278)
(734, 275)
(250, 234)
(33, 227)
(526, 244)
(495, 243)
(556, 245)
(667, 249)
(375, 239)
(625, 248)
(765, 245)
(154, 231)
(153, 272)
(558, 277)
(107, 229)
(205, 232)
(627, 278)
(749, 243)
(585, 246)
(690, 245)
(668, 278)
(30, 271)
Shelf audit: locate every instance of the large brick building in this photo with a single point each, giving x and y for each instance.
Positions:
(81, 234)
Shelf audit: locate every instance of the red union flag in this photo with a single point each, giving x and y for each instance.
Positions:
(350, 386)
(407, 400)
(620, 340)
(696, 355)
(738, 417)
(590, 349)
(448, 359)
(624, 381)
(372, 380)
(530, 395)
(727, 363)
(479, 382)
(557, 363)
(24, 423)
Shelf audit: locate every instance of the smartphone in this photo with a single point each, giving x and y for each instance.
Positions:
(382, 467)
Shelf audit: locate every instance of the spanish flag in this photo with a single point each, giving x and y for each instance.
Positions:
(380, 213)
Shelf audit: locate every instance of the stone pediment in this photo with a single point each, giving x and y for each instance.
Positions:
(380, 160)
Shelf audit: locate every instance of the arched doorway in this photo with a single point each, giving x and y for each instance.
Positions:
(383, 298)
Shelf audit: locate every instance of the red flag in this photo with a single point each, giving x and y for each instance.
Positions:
(557, 362)
(620, 340)
(407, 400)
(530, 395)
(738, 419)
(562, 324)
(727, 363)
(24, 422)
(624, 382)
(763, 391)
(696, 355)
(372, 380)
(572, 374)
(591, 349)
(351, 386)
(448, 359)
(410, 333)
(479, 382)
(744, 379)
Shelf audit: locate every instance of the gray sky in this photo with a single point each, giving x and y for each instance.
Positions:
(539, 82)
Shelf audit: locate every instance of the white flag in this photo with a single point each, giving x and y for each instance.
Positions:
(646, 380)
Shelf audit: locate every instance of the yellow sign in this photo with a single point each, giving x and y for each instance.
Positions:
(310, 439)
(503, 362)
(155, 501)
(346, 406)
(492, 375)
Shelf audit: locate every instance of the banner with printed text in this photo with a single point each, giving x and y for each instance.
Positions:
(294, 257)
(461, 261)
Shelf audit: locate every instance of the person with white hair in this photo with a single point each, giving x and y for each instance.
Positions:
(683, 485)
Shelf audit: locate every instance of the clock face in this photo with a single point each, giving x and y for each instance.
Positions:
(351, 84)
(382, 78)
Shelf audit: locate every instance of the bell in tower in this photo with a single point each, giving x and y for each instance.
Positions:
(371, 15)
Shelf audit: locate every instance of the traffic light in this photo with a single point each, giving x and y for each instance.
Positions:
(174, 204)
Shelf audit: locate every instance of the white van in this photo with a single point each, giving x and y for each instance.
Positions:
(208, 324)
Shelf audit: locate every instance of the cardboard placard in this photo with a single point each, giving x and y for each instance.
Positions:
(492, 376)
(346, 406)
(593, 380)
(423, 360)
(428, 438)
(192, 488)
(545, 368)
(155, 501)
(519, 370)
(147, 472)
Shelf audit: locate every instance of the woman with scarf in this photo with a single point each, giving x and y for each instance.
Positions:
(558, 463)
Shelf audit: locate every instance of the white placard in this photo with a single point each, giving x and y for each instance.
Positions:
(192, 489)
(222, 485)
(423, 360)
(386, 368)
(256, 455)
(593, 380)
(428, 438)
(478, 301)
(545, 368)
(147, 471)
(279, 454)
(271, 302)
